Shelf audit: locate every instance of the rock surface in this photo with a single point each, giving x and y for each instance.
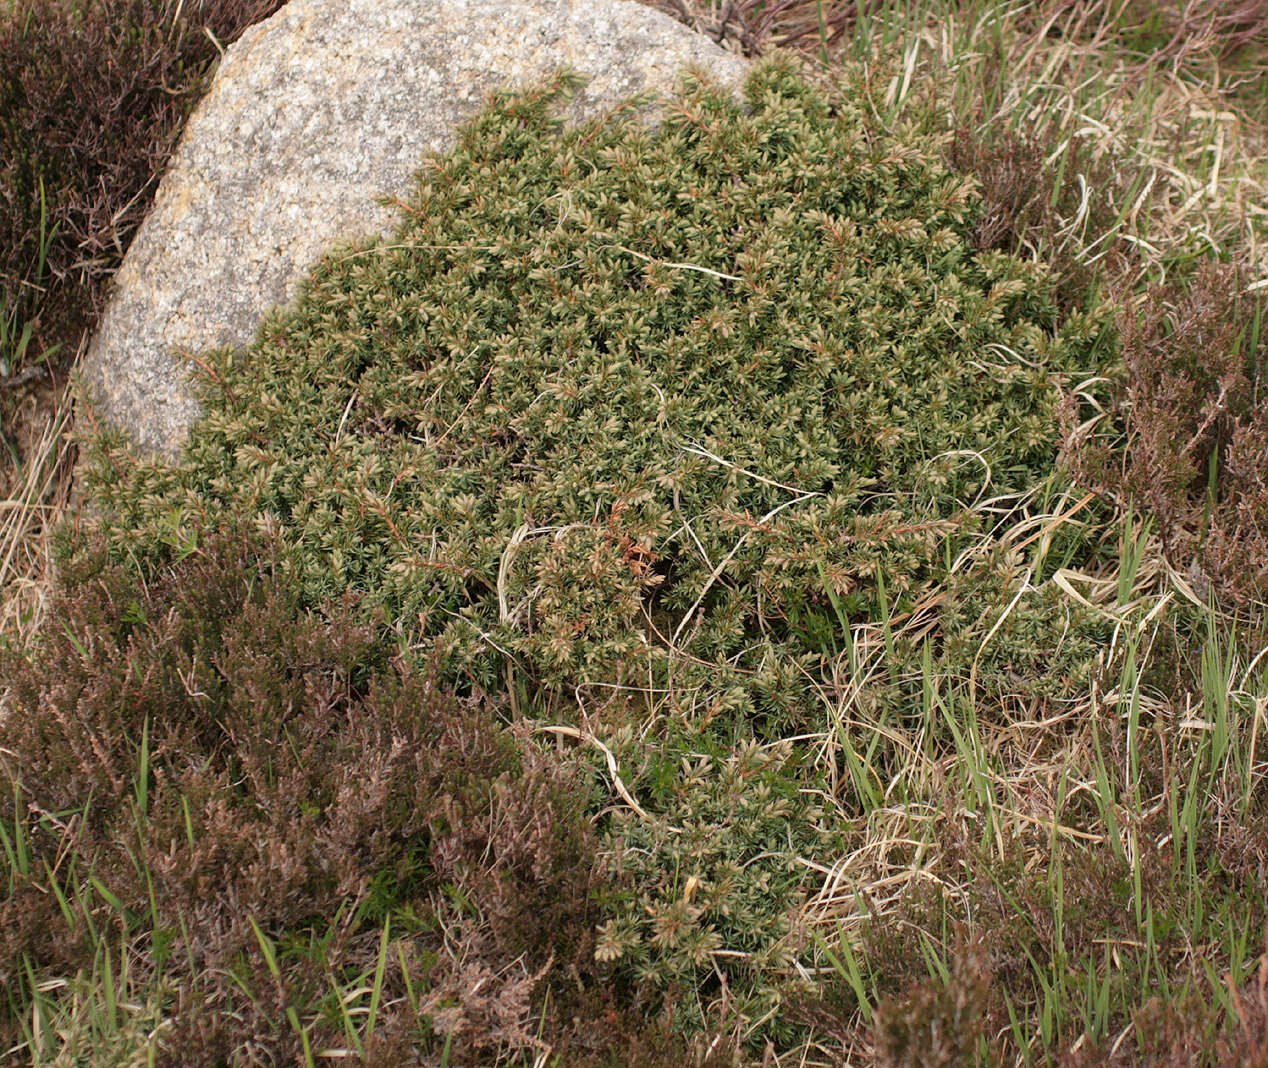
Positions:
(313, 115)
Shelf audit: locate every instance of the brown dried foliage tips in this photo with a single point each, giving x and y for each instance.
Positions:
(1024, 210)
(216, 761)
(1193, 430)
(936, 1023)
(754, 27)
(93, 96)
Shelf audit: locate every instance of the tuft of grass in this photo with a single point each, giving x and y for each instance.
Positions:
(37, 484)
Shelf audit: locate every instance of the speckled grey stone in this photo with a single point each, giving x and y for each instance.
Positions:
(314, 114)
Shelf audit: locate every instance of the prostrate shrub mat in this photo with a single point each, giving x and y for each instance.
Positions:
(634, 425)
(615, 397)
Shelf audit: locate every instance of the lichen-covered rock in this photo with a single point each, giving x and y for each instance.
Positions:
(314, 116)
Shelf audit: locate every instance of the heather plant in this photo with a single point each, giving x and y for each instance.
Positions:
(93, 96)
(1184, 435)
(758, 26)
(1025, 202)
(1041, 934)
(206, 781)
(938, 1021)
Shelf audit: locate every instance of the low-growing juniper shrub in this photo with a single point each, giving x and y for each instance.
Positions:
(196, 762)
(619, 406)
(614, 397)
(719, 870)
(611, 404)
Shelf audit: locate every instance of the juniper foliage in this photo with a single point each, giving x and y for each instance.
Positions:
(614, 398)
(718, 872)
(667, 408)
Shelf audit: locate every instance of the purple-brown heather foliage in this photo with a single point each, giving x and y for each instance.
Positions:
(219, 761)
(1024, 208)
(93, 97)
(1193, 433)
(936, 1023)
